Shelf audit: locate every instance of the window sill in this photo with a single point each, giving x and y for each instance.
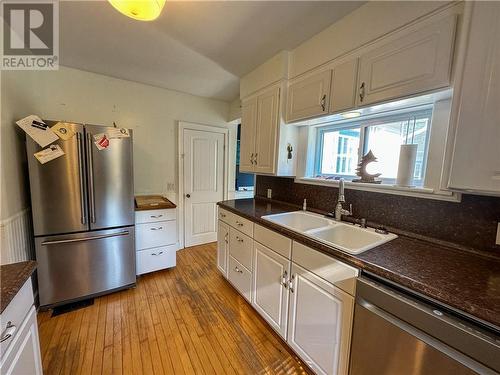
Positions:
(419, 192)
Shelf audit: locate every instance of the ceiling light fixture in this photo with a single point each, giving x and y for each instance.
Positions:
(142, 10)
(351, 114)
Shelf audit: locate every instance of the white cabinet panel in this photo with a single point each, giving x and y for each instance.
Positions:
(343, 91)
(240, 247)
(241, 278)
(247, 139)
(319, 322)
(222, 247)
(309, 97)
(23, 356)
(266, 134)
(276, 242)
(270, 294)
(417, 62)
(476, 111)
(155, 234)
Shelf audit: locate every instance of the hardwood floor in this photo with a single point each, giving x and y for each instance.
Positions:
(186, 320)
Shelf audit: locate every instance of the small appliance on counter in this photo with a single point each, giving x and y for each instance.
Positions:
(83, 214)
(156, 233)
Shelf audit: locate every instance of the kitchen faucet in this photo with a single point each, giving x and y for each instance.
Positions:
(339, 209)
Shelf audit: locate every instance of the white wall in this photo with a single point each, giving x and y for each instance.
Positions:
(74, 95)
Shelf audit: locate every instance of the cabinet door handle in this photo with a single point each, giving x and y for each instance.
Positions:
(323, 102)
(290, 283)
(225, 239)
(362, 92)
(9, 332)
(284, 280)
(158, 228)
(256, 161)
(156, 216)
(238, 270)
(239, 239)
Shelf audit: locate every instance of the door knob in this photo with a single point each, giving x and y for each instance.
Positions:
(188, 195)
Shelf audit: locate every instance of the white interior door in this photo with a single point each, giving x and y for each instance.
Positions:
(203, 184)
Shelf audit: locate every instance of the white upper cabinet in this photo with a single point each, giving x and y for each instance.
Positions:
(343, 91)
(417, 62)
(248, 128)
(475, 117)
(309, 97)
(266, 133)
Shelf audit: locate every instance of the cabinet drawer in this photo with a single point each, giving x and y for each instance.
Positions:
(273, 240)
(240, 247)
(15, 312)
(225, 215)
(157, 234)
(328, 268)
(243, 225)
(240, 277)
(152, 216)
(156, 259)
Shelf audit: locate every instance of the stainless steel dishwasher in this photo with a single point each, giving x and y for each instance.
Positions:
(396, 333)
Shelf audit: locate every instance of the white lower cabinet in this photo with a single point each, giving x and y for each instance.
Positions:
(222, 247)
(319, 322)
(270, 293)
(305, 296)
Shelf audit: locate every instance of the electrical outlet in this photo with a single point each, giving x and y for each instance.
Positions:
(498, 234)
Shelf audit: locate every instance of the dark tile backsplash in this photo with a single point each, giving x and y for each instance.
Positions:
(470, 223)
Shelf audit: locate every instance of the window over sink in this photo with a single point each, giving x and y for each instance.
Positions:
(341, 145)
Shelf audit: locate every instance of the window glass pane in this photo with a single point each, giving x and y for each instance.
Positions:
(340, 152)
(385, 140)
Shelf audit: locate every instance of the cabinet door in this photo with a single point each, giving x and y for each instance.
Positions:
(247, 139)
(476, 158)
(270, 294)
(23, 357)
(412, 64)
(267, 131)
(319, 322)
(343, 92)
(222, 247)
(309, 97)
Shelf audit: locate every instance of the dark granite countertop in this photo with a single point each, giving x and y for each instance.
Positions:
(12, 278)
(462, 280)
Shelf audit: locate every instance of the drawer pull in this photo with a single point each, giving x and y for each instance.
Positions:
(284, 280)
(159, 228)
(156, 216)
(238, 270)
(222, 214)
(156, 254)
(240, 224)
(290, 283)
(239, 239)
(9, 332)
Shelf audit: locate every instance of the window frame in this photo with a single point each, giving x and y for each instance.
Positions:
(363, 123)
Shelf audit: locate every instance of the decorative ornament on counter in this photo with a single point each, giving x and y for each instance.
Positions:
(361, 170)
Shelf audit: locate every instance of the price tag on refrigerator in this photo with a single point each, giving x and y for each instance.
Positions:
(117, 133)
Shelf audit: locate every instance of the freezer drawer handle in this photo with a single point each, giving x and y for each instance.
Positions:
(9, 332)
(124, 233)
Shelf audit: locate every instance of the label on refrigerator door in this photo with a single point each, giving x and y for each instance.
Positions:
(101, 141)
(37, 130)
(117, 133)
(63, 130)
(48, 154)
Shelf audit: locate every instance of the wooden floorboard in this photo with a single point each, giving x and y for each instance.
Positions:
(185, 320)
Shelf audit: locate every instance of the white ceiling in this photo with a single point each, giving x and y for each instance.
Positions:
(197, 47)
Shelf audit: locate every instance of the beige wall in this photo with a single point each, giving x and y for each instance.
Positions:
(75, 95)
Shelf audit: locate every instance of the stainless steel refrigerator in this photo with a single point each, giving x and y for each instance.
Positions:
(83, 217)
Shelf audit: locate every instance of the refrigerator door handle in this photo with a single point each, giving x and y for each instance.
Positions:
(91, 178)
(80, 174)
(100, 237)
